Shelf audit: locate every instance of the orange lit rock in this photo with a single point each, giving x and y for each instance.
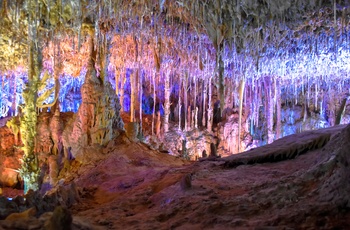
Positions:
(9, 177)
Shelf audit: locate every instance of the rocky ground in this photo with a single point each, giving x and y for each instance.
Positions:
(298, 182)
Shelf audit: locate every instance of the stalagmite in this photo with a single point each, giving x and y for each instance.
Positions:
(30, 170)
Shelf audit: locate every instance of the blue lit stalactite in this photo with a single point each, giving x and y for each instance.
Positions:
(167, 101)
(13, 94)
(268, 83)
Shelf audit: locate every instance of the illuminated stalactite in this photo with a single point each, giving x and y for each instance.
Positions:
(269, 105)
(241, 98)
(204, 104)
(220, 70)
(278, 109)
(210, 107)
(167, 101)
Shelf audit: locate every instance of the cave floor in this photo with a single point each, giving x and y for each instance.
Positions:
(137, 188)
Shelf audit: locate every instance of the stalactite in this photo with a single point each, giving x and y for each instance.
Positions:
(210, 107)
(14, 105)
(104, 56)
(140, 90)
(133, 81)
(195, 95)
(269, 109)
(278, 109)
(122, 90)
(221, 85)
(179, 105)
(154, 100)
(140, 82)
(204, 103)
(167, 102)
(185, 100)
(189, 115)
(189, 107)
(196, 118)
(241, 93)
(316, 95)
(117, 76)
(158, 125)
(192, 118)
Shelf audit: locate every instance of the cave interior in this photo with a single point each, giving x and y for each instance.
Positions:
(199, 79)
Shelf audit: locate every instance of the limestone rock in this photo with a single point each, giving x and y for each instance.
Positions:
(61, 219)
(6, 207)
(228, 135)
(9, 177)
(97, 120)
(196, 142)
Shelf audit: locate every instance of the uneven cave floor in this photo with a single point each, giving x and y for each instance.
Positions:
(133, 187)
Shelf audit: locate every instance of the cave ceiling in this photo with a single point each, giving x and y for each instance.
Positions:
(252, 28)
